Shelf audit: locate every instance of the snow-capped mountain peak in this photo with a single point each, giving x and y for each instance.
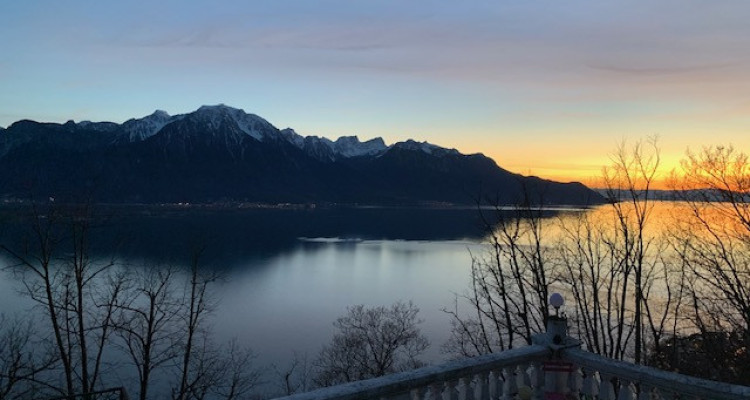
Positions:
(350, 146)
(99, 126)
(217, 107)
(425, 147)
(251, 124)
(161, 114)
(141, 129)
(292, 137)
(325, 149)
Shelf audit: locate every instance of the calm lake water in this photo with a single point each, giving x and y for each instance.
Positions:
(288, 274)
(289, 301)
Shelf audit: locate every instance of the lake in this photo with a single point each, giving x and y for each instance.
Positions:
(289, 273)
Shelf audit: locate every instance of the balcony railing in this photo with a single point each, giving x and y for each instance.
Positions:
(553, 368)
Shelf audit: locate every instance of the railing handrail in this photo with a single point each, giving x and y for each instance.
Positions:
(656, 378)
(404, 381)
(553, 345)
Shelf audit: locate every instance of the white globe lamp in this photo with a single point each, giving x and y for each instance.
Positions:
(556, 300)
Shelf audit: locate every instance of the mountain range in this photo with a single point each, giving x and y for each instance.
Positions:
(223, 154)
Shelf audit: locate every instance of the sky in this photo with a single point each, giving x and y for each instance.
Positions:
(547, 88)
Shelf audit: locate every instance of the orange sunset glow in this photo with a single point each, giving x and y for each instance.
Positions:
(543, 90)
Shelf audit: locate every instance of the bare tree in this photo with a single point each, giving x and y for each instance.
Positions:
(296, 377)
(92, 306)
(629, 182)
(509, 283)
(34, 265)
(146, 323)
(57, 272)
(204, 369)
(195, 361)
(714, 239)
(24, 360)
(238, 375)
(593, 276)
(371, 342)
(610, 266)
(222, 372)
(712, 242)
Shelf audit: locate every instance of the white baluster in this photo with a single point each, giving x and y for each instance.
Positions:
(587, 389)
(597, 379)
(523, 383)
(575, 379)
(492, 385)
(537, 381)
(606, 389)
(450, 392)
(550, 380)
(525, 377)
(644, 392)
(625, 393)
(510, 386)
(435, 391)
(480, 387)
(463, 389)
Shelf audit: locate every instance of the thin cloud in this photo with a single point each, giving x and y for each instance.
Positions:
(659, 71)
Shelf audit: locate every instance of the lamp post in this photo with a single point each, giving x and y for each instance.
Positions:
(556, 371)
(556, 300)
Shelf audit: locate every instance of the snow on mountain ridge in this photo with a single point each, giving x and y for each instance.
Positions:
(350, 146)
(255, 126)
(251, 124)
(292, 137)
(213, 117)
(319, 147)
(425, 147)
(161, 114)
(141, 129)
(326, 149)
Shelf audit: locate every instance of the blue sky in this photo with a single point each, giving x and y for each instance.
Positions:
(544, 87)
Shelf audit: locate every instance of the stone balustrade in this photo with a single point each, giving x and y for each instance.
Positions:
(553, 368)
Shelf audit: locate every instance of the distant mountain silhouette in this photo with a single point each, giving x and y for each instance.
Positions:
(219, 153)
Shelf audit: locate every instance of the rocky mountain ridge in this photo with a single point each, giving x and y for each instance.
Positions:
(219, 153)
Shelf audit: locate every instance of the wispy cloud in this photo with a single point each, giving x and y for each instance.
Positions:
(507, 69)
(661, 70)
